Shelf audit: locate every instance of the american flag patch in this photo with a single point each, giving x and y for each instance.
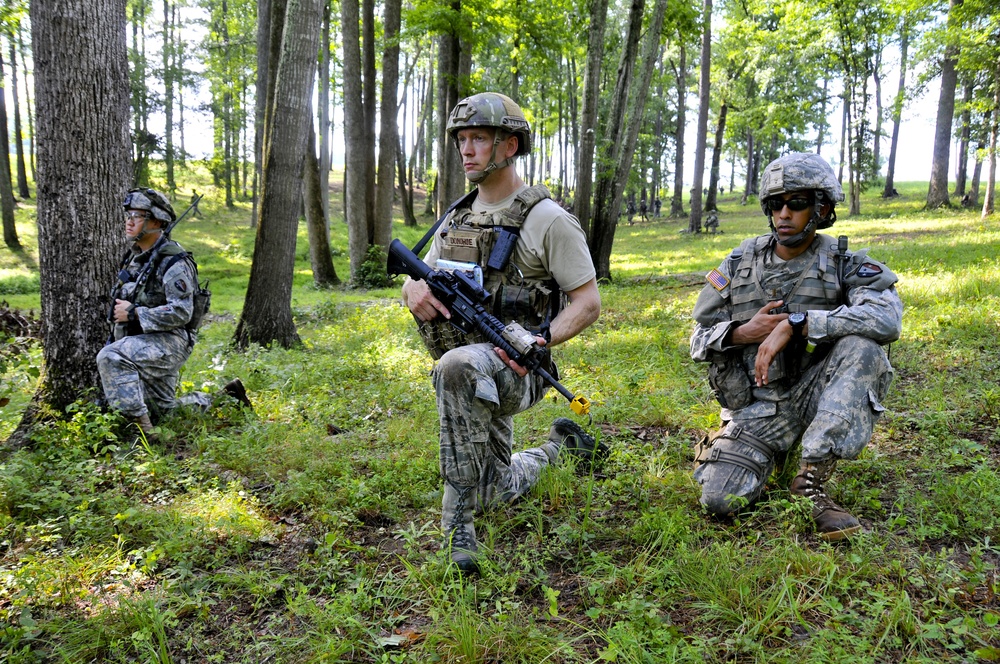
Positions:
(718, 280)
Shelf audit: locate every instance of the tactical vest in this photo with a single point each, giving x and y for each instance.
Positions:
(818, 286)
(483, 243)
(153, 294)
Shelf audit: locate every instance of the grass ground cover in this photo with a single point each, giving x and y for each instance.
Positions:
(307, 531)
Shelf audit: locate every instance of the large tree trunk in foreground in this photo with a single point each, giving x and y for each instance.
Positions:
(84, 169)
(267, 309)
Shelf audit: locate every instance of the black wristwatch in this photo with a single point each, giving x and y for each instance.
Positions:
(798, 322)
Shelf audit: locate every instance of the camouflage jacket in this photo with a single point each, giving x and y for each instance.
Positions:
(167, 301)
(864, 304)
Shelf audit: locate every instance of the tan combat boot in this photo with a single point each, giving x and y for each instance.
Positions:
(833, 522)
(146, 426)
(457, 510)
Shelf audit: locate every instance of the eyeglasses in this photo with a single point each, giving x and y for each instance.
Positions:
(775, 203)
(133, 215)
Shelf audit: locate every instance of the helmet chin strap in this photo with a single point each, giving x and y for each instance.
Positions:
(797, 239)
(144, 232)
(476, 177)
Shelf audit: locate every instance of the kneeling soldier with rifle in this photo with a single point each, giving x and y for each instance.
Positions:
(527, 254)
(156, 308)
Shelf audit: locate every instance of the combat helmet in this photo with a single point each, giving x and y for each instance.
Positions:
(491, 109)
(802, 171)
(152, 201)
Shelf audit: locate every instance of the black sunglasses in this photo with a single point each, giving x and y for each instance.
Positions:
(775, 203)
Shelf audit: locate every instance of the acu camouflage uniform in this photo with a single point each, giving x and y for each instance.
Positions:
(140, 369)
(477, 393)
(828, 395)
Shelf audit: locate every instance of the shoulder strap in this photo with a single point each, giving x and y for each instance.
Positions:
(464, 200)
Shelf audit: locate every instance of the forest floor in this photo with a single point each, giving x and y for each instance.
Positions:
(307, 530)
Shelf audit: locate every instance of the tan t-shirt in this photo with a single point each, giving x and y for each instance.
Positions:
(552, 244)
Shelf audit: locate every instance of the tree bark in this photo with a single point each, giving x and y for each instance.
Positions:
(324, 113)
(320, 257)
(713, 179)
(694, 224)
(897, 110)
(356, 156)
(677, 200)
(989, 200)
(450, 183)
(588, 124)
(388, 132)
(6, 187)
(607, 190)
(961, 171)
(937, 192)
(267, 311)
(84, 169)
(22, 172)
(609, 199)
(264, 79)
(168, 100)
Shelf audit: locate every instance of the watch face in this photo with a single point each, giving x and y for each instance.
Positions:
(798, 318)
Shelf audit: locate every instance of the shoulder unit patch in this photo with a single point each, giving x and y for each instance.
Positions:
(868, 270)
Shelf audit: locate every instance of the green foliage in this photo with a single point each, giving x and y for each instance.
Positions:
(308, 530)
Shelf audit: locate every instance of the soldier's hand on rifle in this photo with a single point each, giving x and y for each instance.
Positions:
(122, 308)
(417, 297)
(518, 369)
(759, 327)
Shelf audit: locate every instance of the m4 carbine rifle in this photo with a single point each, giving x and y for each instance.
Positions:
(466, 300)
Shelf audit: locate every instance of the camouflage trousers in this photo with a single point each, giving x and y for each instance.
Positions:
(477, 397)
(832, 409)
(140, 373)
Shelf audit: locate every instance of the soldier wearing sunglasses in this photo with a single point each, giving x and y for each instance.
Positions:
(793, 326)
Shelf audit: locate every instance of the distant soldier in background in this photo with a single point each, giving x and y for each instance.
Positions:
(712, 222)
(152, 314)
(642, 210)
(793, 325)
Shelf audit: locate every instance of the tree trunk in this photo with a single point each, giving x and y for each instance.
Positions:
(694, 224)
(388, 132)
(609, 192)
(356, 157)
(264, 79)
(989, 200)
(977, 173)
(22, 171)
(588, 124)
(84, 169)
(168, 100)
(713, 180)
(320, 258)
(267, 311)
(324, 113)
(450, 183)
(677, 201)
(6, 186)
(963, 143)
(937, 192)
(897, 110)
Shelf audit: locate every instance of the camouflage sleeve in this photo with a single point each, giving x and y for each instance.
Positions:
(873, 307)
(712, 315)
(179, 284)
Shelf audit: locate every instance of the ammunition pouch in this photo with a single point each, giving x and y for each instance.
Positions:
(729, 380)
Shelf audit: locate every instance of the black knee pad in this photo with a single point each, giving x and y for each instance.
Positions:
(732, 455)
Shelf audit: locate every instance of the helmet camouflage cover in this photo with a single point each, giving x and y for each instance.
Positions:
(799, 171)
(491, 109)
(152, 201)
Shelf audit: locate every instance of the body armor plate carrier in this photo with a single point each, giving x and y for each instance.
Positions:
(483, 243)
